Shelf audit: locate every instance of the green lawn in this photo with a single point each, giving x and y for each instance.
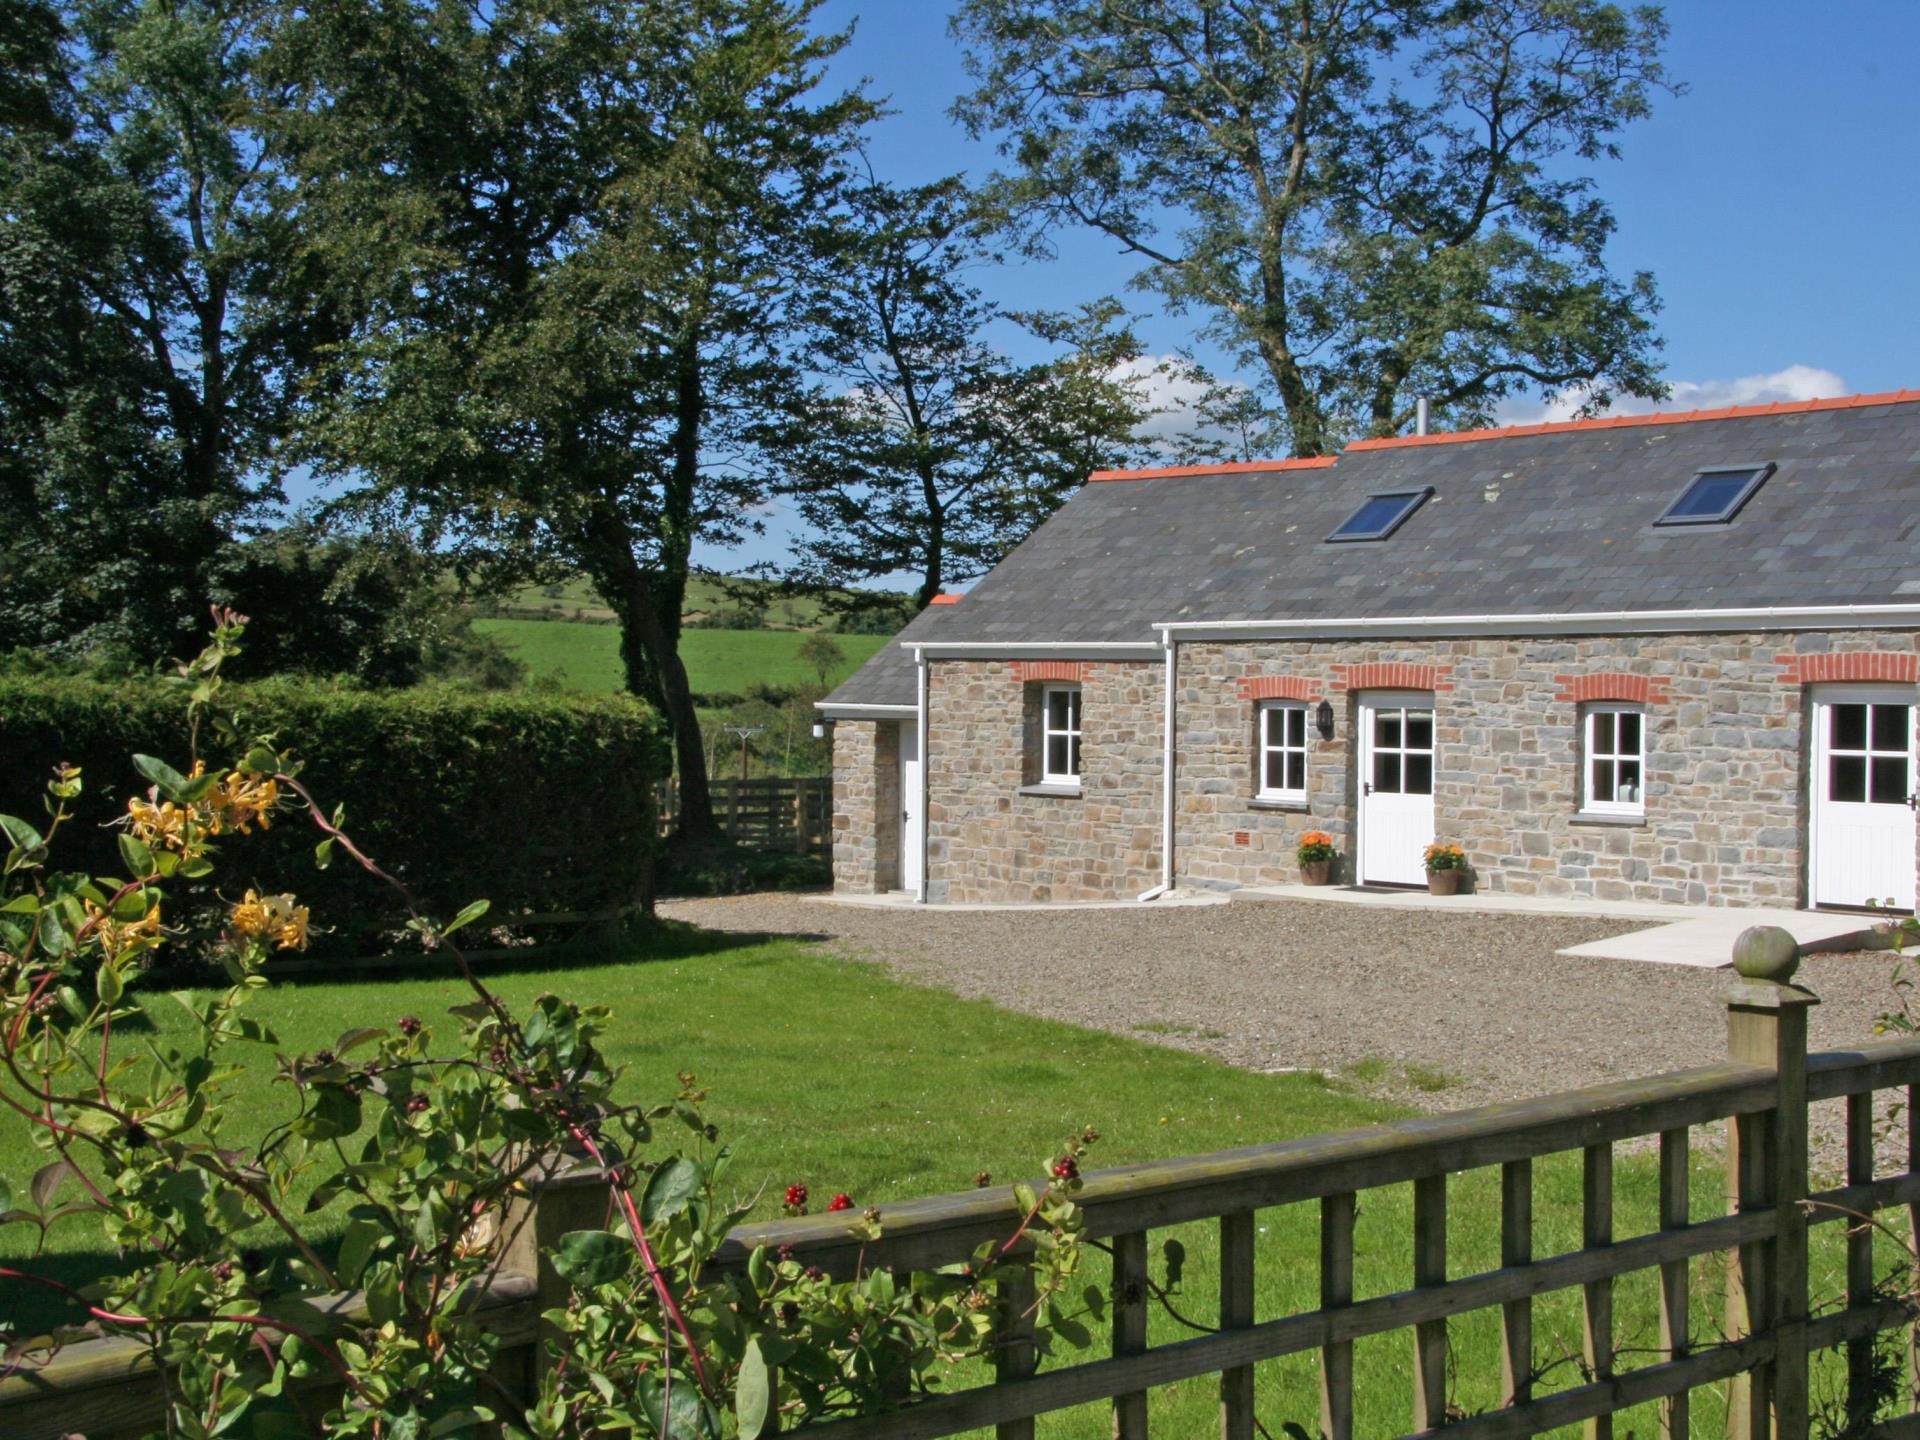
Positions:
(823, 1070)
(719, 662)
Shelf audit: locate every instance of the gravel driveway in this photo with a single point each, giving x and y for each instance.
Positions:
(1441, 1011)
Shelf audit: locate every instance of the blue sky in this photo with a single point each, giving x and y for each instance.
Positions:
(1775, 201)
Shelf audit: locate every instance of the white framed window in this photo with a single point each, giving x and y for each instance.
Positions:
(1060, 735)
(1283, 751)
(1616, 760)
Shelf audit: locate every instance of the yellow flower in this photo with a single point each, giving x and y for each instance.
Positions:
(250, 916)
(163, 824)
(292, 934)
(244, 797)
(119, 935)
(272, 917)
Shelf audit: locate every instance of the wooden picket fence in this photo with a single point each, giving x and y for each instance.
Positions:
(773, 812)
(1764, 1090)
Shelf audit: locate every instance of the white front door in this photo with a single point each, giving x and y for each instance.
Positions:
(912, 845)
(1863, 795)
(1396, 786)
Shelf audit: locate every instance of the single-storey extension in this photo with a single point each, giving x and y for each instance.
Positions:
(1657, 657)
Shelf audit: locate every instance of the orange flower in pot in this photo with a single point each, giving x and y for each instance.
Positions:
(1446, 868)
(1316, 855)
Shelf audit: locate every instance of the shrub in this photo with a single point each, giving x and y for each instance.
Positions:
(450, 1131)
(543, 802)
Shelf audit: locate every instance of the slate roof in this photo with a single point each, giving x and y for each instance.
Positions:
(1532, 520)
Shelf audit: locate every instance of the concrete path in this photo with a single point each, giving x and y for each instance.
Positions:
(1700, 936)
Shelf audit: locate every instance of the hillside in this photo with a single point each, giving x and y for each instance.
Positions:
(719, 662)
(756, 604)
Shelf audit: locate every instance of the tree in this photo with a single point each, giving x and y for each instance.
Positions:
(927, 449)
(374, 607)
(573, 228)
(821, 655)
(149, 314)
(1368, 200)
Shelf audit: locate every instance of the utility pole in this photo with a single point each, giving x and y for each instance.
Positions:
(745, 732)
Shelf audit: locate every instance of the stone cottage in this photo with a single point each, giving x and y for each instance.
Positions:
(1662, 657)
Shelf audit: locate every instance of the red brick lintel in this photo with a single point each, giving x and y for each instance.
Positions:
(1393, 675)
(1278, 687)
(1613, 685)
(1073, 670)
(1869, 665)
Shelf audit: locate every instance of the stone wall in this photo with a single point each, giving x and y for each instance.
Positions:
(991, 835)
(1726, 796)
(866, 806)
(1727, 808)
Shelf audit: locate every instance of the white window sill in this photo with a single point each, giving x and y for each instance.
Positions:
(1608, 817)
(1278, 802)
(1065, 788)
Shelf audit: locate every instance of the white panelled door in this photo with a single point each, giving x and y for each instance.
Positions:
(912, 822)
(1863, 795)
(1396, 786)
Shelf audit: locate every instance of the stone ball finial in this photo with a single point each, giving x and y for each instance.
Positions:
(1766, 952)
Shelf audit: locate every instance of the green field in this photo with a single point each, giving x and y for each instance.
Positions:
(576, 599)
(822, 1070)
(719, 662)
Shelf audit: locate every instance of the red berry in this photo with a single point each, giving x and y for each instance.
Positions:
(797, 1196)
(409, 1024)
(840, 1202)
(1066, 1168)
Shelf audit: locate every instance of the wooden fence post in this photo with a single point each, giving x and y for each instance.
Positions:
(1767, 1169)
(574, 1195)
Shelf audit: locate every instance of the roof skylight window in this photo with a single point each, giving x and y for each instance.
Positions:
(1383, 513)
(1714, 496)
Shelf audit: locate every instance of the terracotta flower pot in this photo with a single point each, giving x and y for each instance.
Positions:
(1444, 882)
(1316, 872)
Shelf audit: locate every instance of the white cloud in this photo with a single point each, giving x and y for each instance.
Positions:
(1795, 382)
(1170, 387)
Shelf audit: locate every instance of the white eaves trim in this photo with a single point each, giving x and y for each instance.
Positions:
(865, 712)
(1585, 622)
(1039, 650)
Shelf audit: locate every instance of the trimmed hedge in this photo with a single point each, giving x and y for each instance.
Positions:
(538, 802)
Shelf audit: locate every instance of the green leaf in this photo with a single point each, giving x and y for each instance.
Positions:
(586, 1258)
(471, 913)
(352, 1040)
(753, 1392)
(46, 1182)
(682, 1418)
(158, 773)
(138, 856)
(20, 834)
(335, 1112)
(356, 1248)
(670, 1189)
(109, 984)
(323, 853)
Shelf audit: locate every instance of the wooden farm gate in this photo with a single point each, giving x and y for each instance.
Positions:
(774, 812)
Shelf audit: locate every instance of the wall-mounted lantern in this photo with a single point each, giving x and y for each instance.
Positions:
(1323, 719)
